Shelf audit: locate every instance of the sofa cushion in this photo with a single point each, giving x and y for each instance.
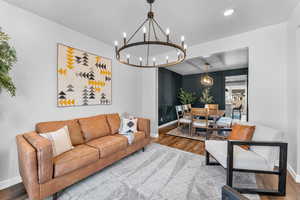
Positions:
(94, 127)
(60, 140)
(109, 144)
(138, 136)
(73, 127)
(243, 133)
(242, 159)
(80, 156)
(114, 122)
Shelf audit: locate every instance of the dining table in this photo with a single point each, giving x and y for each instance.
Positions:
(213, 116)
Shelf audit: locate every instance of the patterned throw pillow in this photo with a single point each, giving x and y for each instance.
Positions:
(60, 140)
(129, 125)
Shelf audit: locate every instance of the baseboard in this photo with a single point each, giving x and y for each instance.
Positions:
(10, 182)
(168, 124)
(295, 176)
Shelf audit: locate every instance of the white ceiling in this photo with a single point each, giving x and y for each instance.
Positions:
(198, 20)
(235, 59)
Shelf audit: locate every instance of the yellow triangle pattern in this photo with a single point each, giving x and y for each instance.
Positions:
(97, 89)
(66, 102)
(70, 58)
(96, 83)
(105, 72)
(62, 71)
(98, 58)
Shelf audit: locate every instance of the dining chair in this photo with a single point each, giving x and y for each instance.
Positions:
(199, 120)
(189, 107)
(185, 108)
(187, 111)
(181, 120)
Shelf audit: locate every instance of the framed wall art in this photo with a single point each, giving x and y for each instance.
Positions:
(83, 78)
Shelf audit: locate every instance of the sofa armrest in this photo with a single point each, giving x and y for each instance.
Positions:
(28, 167)
(282, 152)
(44, 155)
(144, 125)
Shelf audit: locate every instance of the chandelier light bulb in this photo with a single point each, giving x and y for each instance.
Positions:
(124, 38)
(167, 59)
(168, 31)
(228, 12)
(141, 59)
(144, 30)
(185, 47)
(182, 41)
(182, 38)
(127, 56)
(116, 43)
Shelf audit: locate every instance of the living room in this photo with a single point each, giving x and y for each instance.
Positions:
(43, 34)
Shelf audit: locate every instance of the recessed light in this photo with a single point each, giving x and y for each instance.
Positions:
(228, 12)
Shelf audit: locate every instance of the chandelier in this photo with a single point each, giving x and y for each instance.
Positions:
(152, 35)
(206, 80)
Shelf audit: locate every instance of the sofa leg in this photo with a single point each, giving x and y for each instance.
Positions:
(143, 149)
(55, 196)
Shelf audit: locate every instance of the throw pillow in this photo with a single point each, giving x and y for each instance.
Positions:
(60, 140)
(243, 133)
(129, 125)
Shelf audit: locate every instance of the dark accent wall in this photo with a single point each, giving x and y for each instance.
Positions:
(192, 83)
(170, 82)
(168, 85)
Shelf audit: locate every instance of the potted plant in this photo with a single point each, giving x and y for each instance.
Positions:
(186, 97)
(206, 97)
(7, 59)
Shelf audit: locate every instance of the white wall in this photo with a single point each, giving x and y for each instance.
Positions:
(149, 97)
(293, 89)
(35, 40)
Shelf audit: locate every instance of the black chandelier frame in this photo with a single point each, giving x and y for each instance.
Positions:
(152, 23)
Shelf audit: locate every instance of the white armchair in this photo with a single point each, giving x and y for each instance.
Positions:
(265, 150)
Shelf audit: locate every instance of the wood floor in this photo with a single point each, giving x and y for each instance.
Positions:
(17, 192)
(263, 181)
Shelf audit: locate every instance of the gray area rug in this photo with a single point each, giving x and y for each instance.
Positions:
(159, 173)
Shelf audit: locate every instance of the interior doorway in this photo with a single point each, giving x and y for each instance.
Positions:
(236, 97)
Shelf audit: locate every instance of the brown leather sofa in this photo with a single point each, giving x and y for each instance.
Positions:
(97, 145)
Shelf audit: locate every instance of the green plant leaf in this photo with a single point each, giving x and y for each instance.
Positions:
(186, 97)
(8, 58)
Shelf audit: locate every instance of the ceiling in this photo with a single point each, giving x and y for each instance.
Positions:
(198, 20)
(229, 60)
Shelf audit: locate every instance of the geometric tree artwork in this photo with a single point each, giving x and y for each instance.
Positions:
(82, 78)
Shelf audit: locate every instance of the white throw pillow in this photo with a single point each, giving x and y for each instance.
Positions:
(60, 140)
(129, 125)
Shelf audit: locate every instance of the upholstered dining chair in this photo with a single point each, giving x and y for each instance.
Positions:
(189, 107)
(181, 120)
(187, 111)
(199, 119)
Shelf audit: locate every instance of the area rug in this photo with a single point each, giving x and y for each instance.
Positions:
(201, 136)
(159, 173)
